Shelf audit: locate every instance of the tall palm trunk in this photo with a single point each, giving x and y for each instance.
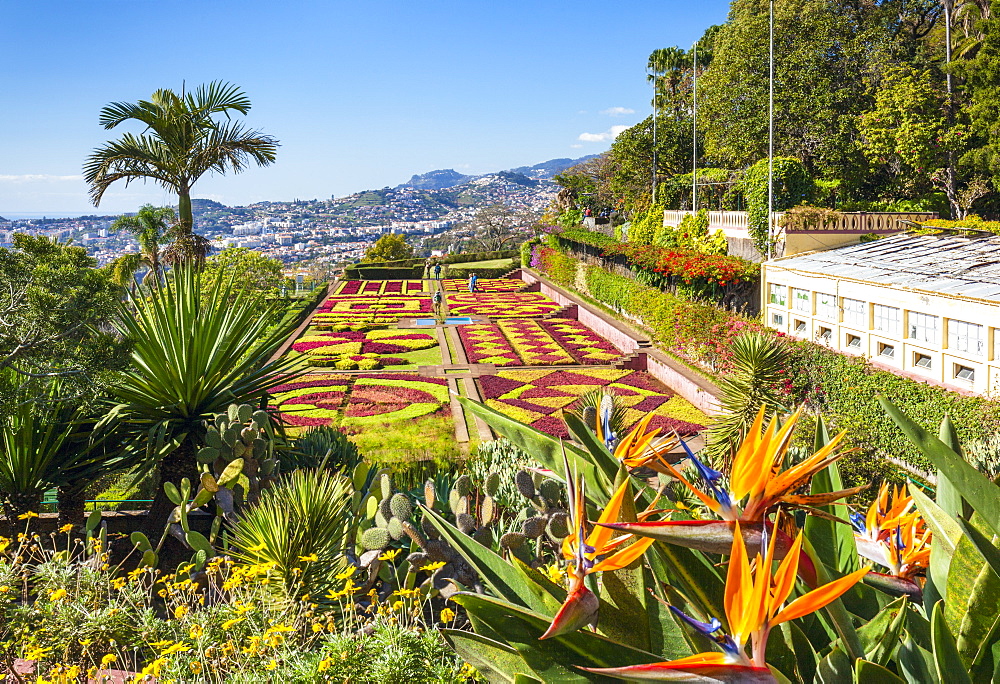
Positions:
(19, 503)
(174, 467)
(185, 215)
(71, 502)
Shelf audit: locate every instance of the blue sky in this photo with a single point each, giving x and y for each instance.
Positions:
(360, 94)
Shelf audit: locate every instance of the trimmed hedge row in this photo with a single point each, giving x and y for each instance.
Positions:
(842, 388)
(364, 272)
(464, 272)
(398, 263)
(477, 256)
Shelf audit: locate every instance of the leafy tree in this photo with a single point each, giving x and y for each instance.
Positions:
(909, 131)
(149, 227)
(791, 186)
(982, 89)
(499, 226)
(632, 157)
(54, 309)
(389, 247)
(182, 141)
(192, 356)
(250, 271)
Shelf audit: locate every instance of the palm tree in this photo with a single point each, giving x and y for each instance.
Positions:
(192, 356)
(150, 227)
(181, 142)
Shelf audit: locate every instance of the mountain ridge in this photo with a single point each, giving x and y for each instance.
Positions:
(440, 179)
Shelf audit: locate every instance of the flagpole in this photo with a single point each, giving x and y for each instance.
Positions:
(770, 135)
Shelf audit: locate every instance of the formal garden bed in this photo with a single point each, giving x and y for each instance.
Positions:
(379, 287)
(501, 304)
(367, 350)
(539, 397)
(483, 285)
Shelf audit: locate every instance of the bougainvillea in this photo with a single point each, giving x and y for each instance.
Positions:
(538, 397)
(585, 346)
(688, 265)
(483, 285)
(501, 304)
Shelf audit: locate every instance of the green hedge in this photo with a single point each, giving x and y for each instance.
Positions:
(359, 272)
(398, 263)
(477, 256)
(587, 237)
(459, 272)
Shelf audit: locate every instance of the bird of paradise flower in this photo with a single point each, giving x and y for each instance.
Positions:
(754, 603)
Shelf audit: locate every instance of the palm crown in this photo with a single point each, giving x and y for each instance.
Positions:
(181, 142)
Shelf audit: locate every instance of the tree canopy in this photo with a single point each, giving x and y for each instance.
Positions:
(389, 247)
(55, 308)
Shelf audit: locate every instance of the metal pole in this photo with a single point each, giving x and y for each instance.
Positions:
(694, 134)
(654, 138)
(947, 46)
(770, 134)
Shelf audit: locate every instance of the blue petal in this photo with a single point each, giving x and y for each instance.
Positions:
(728, 645)
(703, 627)
(858, 521)
(707, 474)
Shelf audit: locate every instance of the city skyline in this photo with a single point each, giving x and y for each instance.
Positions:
(360, 97)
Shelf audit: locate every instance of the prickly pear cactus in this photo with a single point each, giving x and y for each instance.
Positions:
(241, 435)
(544, 523)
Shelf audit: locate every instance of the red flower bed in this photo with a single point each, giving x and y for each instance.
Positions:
(688, 265)
(493, 386)
(485, 343)
(582, 343)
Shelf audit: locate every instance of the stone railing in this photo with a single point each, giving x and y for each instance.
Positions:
(734, 222)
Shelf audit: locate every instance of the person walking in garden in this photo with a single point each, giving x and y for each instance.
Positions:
(472, 283)
(437, 270)
(438, 300)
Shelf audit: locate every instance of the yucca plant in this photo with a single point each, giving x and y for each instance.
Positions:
(758, 360)
(192, 356)
(321, 445)
(300, 528)
(56, 446)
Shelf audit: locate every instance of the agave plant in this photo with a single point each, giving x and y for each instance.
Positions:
(298, 532)
(192, 356)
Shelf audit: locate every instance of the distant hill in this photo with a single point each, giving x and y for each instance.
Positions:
(449, 178)
(436, 180)
(547, 169)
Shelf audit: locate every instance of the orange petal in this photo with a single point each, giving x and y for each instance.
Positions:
(784, 578)
(817, 598)
(600, 536)
(624, 557)
(739, 587)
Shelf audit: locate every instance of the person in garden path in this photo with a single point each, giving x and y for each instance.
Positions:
(438, 300)
(472, 282)
(437, 270)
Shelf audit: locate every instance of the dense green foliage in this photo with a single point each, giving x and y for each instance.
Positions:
(55, 307)
(248, 270)
(389, 247)
(790, 187)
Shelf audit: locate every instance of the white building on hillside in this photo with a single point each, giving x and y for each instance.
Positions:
(925, 306)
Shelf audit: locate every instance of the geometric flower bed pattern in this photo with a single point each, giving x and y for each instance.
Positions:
(528, 342)
(378, 287)
(501, 304)
(483, 285)
(586, 346)
(358, 400)
(538, 397)
(348, 309)
(534, 344)
(485, 343)
(372, 342)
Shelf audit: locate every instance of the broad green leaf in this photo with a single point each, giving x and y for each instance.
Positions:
(835, 610)
(525, 679)
(973, 486)
(495, 661)
(835, 668)
(499, 575)
(946, 535)
(978, 631)
(545, 449)
(948, 497)
(554, 659)
(867, 672)
(947, 662)
(692, 573)
(915, 664)
(549, 593)
(833, 541)
(599, 454)
(880, 637)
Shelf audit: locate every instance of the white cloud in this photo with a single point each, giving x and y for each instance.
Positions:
(617, 111)
(609, 134)
(37, 177)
